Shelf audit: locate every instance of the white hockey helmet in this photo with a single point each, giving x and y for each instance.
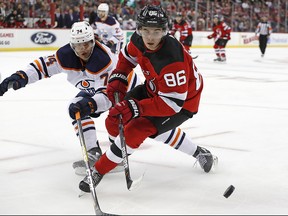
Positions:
(103, 7)
(82, 39)
(81, 32)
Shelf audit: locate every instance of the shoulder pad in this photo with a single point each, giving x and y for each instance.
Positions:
(67, 58)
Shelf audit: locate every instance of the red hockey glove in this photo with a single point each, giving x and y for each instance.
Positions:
(209, 36)
(117, 83)
(127, 108)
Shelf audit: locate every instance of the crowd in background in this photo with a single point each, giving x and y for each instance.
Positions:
(241, 15)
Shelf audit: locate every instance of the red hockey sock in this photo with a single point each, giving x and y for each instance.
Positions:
(104, 165)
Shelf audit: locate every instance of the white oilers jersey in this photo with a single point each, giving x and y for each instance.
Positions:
(91, 76)
(109, 30)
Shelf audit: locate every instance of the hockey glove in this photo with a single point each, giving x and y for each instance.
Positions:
(85, 106)
(187, 41)
(117, 83)
(127, 108)
(17, 80)
(209, 36)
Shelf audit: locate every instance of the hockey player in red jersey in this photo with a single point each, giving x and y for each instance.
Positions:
(185, 30)
(221, 35)
(170, 95)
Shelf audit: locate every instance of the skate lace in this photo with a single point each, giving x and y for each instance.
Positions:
(96, 177)
(201, 159)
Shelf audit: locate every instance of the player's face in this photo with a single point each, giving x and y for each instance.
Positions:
(151, 36)
(83, 50)
(178, 19)
(102, 15)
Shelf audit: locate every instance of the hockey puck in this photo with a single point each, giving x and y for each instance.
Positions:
(229, 191)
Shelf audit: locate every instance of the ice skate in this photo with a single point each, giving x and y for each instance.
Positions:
(96, 178)
(223, 59)
(93, 155)
(205, 158)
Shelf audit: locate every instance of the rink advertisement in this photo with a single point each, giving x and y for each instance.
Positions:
(52, 39)
(32, 39)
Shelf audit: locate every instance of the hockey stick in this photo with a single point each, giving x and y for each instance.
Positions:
(130, 183)
(88, 169)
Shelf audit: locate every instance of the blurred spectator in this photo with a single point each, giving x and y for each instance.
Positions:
(10, 23)
(242, 15)
(93, 15)
(70, 18)
(10, 19)
(2, 23)
(41, 23)
(59, 20)
(2, 9)
(20, 22)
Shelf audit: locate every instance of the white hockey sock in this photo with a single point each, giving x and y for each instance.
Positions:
(178, 140)
(89, 132)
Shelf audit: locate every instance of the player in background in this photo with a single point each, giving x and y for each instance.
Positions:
(169, 96)
(264, 31)
(183, 28)
(107, 29)
(88, 64)
(221, 35)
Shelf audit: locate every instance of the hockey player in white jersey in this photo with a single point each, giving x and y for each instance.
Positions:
(107, 29)
(88, 64)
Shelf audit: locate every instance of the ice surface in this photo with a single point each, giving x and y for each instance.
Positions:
(242, 119)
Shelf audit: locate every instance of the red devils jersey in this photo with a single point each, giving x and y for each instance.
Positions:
(184, 29)
(222, 31)
(171, 77)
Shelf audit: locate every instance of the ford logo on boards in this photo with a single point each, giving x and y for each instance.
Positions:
(43, 38)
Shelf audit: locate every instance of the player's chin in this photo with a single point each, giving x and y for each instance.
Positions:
(151, 46)
(84, 56)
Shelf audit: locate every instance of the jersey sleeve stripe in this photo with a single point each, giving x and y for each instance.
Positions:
(174, 100)
(134, 81)
(128, 57)
(39, 66)
(44, 67)
(38, 72)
